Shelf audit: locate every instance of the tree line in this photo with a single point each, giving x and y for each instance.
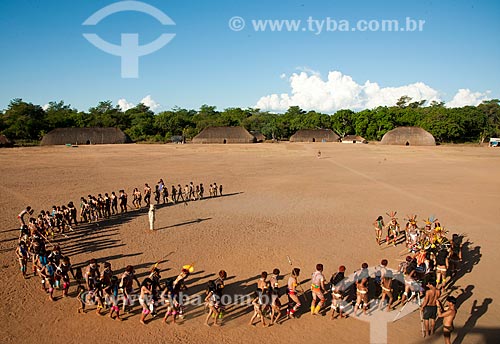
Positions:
(26, 122)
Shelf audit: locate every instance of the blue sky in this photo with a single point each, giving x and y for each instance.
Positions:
(45, 57)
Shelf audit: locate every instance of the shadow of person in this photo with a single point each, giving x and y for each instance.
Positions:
(475, 313)
(470, 258)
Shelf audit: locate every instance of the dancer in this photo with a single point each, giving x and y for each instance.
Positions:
(292, 293)
(337, 283)
(387, 290)
(317, 289)
(379, 226)
(448, 317)
(147, 194)
(429, 307)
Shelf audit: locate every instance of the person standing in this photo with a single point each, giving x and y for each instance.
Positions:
(151, 215)
(23, 213)
(429, 307)
(147, 194)
(317, 289)
(293, 299)
(448, 317)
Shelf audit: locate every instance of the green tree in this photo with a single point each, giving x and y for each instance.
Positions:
(24, 121)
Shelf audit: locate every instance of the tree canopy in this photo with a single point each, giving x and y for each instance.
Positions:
(26, 121)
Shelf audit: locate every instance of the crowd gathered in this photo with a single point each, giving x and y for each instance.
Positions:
(431, 264)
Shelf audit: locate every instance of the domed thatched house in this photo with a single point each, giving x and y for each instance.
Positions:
(224, 135)
(408, 136)
(314, 135)
(82, 136)
(259, 137)
(353, 139)
(5, 142)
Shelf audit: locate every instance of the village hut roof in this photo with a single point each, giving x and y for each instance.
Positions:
(224, 135)
(74, 136)
(314, 135)
(408, 136)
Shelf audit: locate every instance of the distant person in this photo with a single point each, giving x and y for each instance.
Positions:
(151, 215)
(123, 201)
(147, 194)
(292, 293)
(220, 190)
(337, 283)
(379, 226)
(23, 213)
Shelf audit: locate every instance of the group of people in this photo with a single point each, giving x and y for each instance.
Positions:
(63, 218)
(190, 192)
(432, 263)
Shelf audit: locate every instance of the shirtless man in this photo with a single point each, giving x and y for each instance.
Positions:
(337, 283)
(448, 317)
(263, 287)
(361, 295)
(23, 213)
(317, 289)
(179, 193)
(386, 284)
(126, 284)
(293, 299)
(123, 201)
(91, 275)
(275, 297)
(429, 307)
(62, 273)
(105, 280)
(114, 203)
(147, 194)
(441, 267)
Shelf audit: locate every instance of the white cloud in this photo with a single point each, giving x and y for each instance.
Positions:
(150, 102)
(339, 91)
(466, 97)
(282, 76)
(147, 100)
(307, 70)
(124, 104)
(45, 107)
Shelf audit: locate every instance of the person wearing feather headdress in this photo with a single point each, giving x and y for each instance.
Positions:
(412, 232)
(392, 229)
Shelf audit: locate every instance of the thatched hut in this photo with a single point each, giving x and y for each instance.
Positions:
(408, 136)
(81, 136)
(224, 135)
(314, 135)
(5, 142)
(259, 137)
(353, 139)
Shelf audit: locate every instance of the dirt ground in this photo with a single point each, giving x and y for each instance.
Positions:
(280, 200)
